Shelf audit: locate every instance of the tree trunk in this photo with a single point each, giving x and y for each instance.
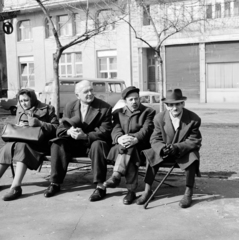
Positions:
(56, 83)
(160, 74)
(160, 80)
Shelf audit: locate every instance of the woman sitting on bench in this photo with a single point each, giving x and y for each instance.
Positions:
(33, 113)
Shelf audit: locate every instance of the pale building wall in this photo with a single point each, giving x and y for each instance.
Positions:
(42, 49)
(3, 64)
(224, 29)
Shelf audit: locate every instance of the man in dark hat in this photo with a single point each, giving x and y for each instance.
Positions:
(176, 137)
(84, 131)
(133, 125)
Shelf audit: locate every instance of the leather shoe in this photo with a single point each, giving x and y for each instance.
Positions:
(52, 190)
(97, 195)
(13, 194)
(187, 198)
(129, 198)
(112, 182)
(144, 198)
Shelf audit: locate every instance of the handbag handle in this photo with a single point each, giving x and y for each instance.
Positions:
(19, 119)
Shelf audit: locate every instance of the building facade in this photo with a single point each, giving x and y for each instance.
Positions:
(202, 58)
(3, 63)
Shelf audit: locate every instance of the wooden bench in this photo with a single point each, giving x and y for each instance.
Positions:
(86, 161)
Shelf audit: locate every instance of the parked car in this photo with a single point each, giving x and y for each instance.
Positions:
(148, 98)
(9, 104)
(108, 90)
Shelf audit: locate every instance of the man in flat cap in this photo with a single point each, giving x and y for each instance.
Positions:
(132, 127)
(176, 137)
(84, 131)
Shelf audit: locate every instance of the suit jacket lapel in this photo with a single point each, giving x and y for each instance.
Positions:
(91, 114)
(76, 110)
(168, 127)
(184, 125)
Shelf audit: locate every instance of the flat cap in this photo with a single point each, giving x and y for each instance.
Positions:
(129, 90)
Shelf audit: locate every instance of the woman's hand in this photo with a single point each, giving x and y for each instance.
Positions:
(34, 122)
(23, 123)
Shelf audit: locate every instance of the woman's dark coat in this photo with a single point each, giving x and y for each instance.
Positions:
(188, 139)
(30, 153)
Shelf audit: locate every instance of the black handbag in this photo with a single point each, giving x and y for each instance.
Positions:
(15, 133)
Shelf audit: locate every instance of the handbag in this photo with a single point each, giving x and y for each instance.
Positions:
(15, 133)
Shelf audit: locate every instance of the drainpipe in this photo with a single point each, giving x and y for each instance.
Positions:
(130, 45)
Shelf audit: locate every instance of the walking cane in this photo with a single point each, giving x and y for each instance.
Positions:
(171, 169)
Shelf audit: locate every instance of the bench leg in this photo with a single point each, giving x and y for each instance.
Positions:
(39, 169)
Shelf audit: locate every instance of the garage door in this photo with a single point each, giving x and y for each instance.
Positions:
(182, 70)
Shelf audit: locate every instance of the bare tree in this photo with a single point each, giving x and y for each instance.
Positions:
(98, 16)
(165, 18)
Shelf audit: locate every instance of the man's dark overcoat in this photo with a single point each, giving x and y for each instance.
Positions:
(138, 124)
(97, 123)
(188, 138)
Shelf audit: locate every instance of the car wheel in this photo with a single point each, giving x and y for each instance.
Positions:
(13, 110)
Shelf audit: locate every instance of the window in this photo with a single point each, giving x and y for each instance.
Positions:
(77, 23)
(24, 30)
(107, 64)
(146, 17)
(236, 8)
(145, 99)
(151, 72)
(114, 87)
(48, 29)
(65, 25)
(227, 9)
(155, 99)
(218, 10)
(106, 19)
(70, 65)
(223, 75)
(27, 77)
(209, 11)
(99, 87)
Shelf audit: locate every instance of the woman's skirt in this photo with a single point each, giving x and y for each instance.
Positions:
(27, 153)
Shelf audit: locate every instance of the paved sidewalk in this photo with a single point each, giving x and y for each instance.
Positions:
(69, 215)
(217, 113)
(214, 214)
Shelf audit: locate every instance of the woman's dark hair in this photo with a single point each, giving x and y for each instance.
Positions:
(30, 93)
(24, 91)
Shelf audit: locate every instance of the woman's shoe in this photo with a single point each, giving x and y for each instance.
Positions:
(13, 194)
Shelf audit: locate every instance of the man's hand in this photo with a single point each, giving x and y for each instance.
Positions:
(173, 150)
(34, 122)
(127, 141)
(169, 150)
(76, 133)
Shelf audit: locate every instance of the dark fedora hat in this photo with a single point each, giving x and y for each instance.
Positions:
(174, 96)
(129, 90)
(74, 121)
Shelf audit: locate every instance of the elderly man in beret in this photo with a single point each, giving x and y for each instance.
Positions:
(132, 127)
(176, 137)
(84, 131)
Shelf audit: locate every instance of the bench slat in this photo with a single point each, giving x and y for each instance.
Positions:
(83, 160)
